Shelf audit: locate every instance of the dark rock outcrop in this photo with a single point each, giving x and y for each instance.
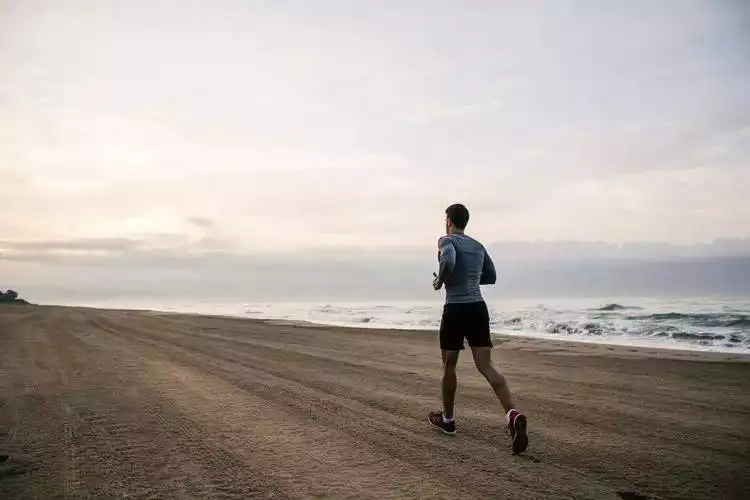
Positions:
(612, 307)
(10, 297)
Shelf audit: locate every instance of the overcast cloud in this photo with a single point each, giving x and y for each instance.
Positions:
(237, 128)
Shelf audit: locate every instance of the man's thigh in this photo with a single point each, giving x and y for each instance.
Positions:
(477, 329)
(452, 328)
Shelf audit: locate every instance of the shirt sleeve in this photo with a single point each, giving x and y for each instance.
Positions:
(489, 275)
(447, 258)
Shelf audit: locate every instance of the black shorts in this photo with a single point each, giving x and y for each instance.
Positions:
(470, 321)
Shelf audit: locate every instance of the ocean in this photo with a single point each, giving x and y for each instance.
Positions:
(702, 324)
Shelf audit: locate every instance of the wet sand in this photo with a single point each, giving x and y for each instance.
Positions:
(125, 404)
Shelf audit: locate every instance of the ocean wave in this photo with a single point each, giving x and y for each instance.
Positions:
(743, 321)
(697, 336)
(574, 329)
(618, 331)
(698, 319)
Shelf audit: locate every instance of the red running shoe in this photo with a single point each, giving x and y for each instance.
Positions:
(436, 420)
(517, 431)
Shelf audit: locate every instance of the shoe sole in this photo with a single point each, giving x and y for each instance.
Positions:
(520, 439)
(448, 433)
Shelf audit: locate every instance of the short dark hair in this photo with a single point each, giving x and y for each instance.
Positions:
(458, 215)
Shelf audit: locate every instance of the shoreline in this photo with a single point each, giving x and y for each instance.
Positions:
(529, 342)
(575, 346)
(643, 323)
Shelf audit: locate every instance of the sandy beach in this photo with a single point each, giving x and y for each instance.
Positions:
(126, 404)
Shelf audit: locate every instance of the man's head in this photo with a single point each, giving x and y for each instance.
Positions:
(456, 218)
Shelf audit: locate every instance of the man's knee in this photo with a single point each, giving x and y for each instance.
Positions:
(449, 369)
(484, 366)
(450, 360)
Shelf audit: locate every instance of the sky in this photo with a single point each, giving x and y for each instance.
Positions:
(165, 131)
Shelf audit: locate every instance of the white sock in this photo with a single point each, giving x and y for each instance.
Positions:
(507, 415)
(447, 420)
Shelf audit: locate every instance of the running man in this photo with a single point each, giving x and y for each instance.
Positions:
(464, 265)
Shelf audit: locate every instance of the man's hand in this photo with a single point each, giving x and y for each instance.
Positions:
(436, 284)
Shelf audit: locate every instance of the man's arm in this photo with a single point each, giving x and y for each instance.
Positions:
(489, 275)
(447, 260)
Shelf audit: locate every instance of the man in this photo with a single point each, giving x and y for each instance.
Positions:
(464, 266)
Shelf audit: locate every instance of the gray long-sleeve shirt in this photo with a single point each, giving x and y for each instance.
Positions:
(464, 265)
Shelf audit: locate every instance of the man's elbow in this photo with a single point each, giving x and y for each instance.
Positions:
(488, 279)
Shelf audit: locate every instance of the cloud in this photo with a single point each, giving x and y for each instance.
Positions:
(557, 251)
(202, 222)
(286, 265)
(328, 127)
(87, 244)
(321, 277)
